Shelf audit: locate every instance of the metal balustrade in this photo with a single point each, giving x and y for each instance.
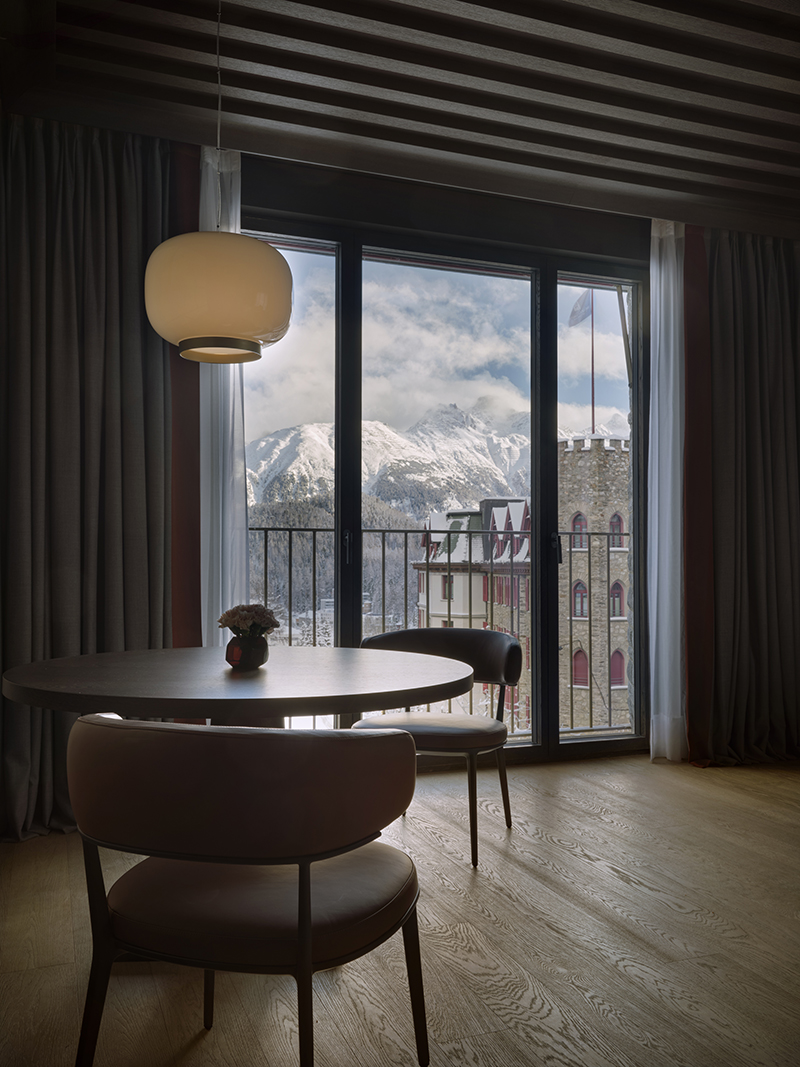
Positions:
(292, 571)
(599, 560)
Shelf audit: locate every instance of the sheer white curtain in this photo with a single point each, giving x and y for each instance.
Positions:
(224, 557)
(665, 493)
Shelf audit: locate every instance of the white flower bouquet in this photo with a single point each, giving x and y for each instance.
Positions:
(249, 620)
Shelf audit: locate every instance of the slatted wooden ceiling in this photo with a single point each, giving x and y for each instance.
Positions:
(684, 109)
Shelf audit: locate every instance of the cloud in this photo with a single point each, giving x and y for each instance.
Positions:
(575, 348)
(293, 382)
(578, 417)
(429, 337)
(432, 336)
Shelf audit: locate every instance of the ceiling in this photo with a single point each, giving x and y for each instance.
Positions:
(684, 109)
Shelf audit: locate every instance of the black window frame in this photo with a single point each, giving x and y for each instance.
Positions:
(356, 211)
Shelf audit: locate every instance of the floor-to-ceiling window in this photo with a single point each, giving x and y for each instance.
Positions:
(423, 452)
(596, 508)
(446, 415)
(290, 449)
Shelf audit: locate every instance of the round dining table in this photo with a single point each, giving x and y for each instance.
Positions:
(197, 683)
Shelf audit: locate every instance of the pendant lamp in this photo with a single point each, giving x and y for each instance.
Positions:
(218, 296)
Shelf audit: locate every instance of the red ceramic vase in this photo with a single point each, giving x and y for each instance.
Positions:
(247, 653)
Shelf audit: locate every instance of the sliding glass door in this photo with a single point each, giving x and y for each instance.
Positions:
(596, 509)
(290, 430)
(446, 452)
(449, 440)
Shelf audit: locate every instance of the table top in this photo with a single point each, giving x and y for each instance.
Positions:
(197, 683)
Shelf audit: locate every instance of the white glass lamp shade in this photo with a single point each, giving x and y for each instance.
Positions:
(218, 296)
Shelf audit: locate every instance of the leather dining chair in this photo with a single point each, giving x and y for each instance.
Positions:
(261, 853)
(496, 659)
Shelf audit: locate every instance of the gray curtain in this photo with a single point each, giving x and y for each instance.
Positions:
(751, 712)
(85, 464)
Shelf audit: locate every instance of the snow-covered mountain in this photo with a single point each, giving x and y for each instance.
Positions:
(449, 459)
(291, 464)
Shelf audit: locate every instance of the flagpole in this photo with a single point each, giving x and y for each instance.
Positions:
(592, 299)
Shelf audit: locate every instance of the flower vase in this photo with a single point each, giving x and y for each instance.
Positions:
(247, 653)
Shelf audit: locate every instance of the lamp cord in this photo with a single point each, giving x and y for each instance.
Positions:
(219, 118)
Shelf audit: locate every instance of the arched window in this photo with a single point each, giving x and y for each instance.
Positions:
(615, 528)
(580, 537)
(580, 601)
(580, 668)
(617, 598)
(617, 668)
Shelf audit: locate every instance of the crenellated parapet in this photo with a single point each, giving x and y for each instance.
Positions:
(585, 444)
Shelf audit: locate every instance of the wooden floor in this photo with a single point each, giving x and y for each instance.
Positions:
(637, 915)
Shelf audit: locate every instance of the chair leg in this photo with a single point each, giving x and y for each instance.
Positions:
(208, 999)
(305, 969)
(414, 968)
(99, 975)
(501, 770)
(472, 786)
(305, 1018)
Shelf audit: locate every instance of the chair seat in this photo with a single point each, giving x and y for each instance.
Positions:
(242, 915)
(434, 732)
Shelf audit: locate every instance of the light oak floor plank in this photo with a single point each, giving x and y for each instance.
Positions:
(637, 914)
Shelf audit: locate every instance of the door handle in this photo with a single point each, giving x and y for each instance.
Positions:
(555, 541)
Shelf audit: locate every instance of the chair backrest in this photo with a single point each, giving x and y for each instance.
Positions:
(234, 794)
(494, 657)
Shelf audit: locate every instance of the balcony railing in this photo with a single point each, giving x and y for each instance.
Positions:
(595, 633)
(471, 578)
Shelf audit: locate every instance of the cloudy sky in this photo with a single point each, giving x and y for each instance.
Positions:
(434, 336)
(430, 336)
(575, 359)
(292, 383)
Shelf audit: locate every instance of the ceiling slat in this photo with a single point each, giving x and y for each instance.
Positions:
(692, 105)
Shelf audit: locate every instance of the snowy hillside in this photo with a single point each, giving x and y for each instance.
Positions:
(449, 459)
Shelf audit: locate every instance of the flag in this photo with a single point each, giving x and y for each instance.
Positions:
(582, 309)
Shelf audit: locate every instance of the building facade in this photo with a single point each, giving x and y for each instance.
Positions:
(476, 572)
